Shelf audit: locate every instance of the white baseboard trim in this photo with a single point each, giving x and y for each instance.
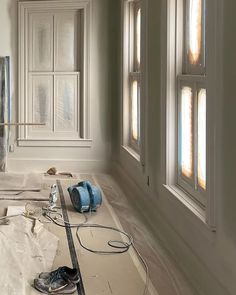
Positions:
(204, 282)
(26, 165)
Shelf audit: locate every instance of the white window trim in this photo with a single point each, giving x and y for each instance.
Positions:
(23, 8)
(139, 155)
(169, 168)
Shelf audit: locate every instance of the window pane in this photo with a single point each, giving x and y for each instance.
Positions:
(186, 132)
(202, 138)
(138, 36)
(135, 111)
(66, 102)
(66, 45)
(40, 43)
(42, 91)
(195, 30)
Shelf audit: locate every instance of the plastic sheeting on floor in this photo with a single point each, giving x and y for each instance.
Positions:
(27, 249)
(19, 180)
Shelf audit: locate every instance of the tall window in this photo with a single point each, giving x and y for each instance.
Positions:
(135, 56)
(190, 100)
(192, 96)
(132, 73)
(54, 52)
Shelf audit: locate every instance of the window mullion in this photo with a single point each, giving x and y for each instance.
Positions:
(135, 76)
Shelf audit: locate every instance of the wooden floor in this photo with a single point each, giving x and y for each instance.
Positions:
(106, 274)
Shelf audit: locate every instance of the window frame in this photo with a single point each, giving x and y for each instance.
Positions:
(193, 76)
(169, 119)
(24, 8)
(131, 71)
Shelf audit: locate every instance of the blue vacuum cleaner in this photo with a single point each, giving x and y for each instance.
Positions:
(85, 196)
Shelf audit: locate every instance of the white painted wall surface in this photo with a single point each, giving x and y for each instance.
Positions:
(208, 259)
(65, 158)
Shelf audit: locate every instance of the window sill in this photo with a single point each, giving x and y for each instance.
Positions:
(132, 153)
(54, 142)
(198, 210)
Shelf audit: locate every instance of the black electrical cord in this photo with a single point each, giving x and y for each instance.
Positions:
(124, 246)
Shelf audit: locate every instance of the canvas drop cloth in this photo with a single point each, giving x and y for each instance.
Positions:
(26, 249)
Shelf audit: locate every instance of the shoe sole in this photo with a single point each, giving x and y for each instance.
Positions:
(71, 291)
(71, 281)
(64, 292)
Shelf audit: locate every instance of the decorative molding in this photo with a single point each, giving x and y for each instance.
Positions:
(54, 142)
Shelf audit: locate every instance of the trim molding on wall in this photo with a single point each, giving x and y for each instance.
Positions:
(55, 142)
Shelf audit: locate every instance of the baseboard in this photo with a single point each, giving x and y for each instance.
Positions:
(203, 281)
(25, 165)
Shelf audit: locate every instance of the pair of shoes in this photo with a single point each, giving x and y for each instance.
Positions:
(60, 281)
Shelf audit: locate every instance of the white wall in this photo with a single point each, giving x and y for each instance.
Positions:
(208, 259)
(73, 159)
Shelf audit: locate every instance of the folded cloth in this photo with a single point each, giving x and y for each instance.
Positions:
(24, 253)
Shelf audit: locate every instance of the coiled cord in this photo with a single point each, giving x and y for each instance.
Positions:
(121, 246)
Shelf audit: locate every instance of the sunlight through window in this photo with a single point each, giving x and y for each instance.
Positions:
(195, 30)
(186, 132)
(138, 37)
(202, 138)
(135, 110)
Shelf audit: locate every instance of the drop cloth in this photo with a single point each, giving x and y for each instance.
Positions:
(27, 249)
